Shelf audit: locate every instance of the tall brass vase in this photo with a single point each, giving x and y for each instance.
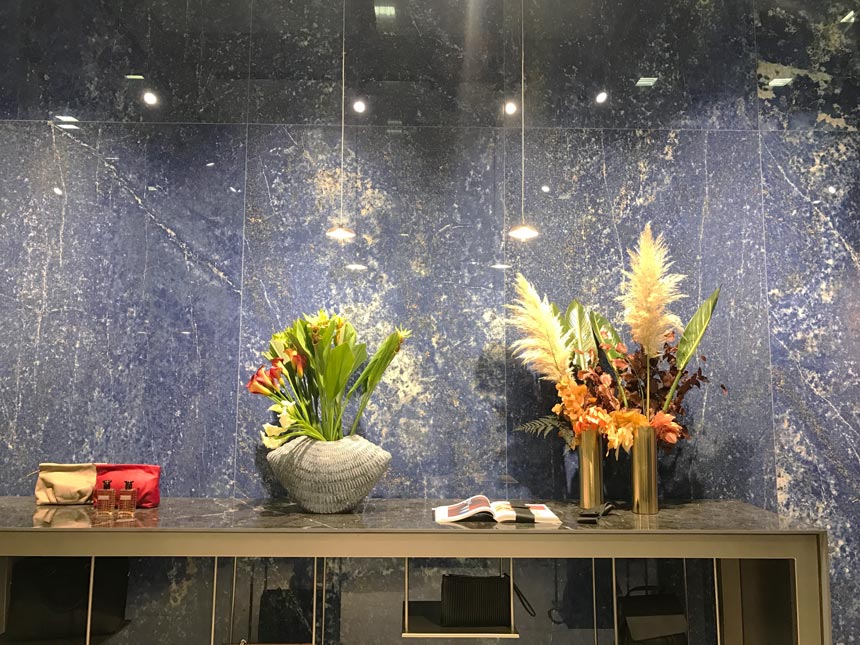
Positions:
(590, 469)
(644, 460)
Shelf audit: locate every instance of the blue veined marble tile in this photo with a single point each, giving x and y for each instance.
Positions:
(169, 600)
(424, 204)
(426, 62)
(808, 64)
(74, 58)
(295, 67)
(813, 233)
(121, 258)
(701, 55)
(589, 194)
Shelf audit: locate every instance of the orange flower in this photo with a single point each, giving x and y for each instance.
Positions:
(666, 428)
(298, 360)
(261, 383)
(595, 418)
(274, 373)
(624, 426)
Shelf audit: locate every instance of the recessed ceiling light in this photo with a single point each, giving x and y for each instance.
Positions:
(150, 98)
(65, 118)
(58, 190)
(340, 233)
(849, 17)
(523, 232)
(646, 81)
(359, 106)
(134, 77)
(355, 267)
(780, 82)
(210, 164)
(68, 126)
(831, 190)
(500, 266)
(544, 188)
(601, 98)
(510, 107)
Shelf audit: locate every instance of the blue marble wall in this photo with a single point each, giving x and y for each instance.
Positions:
(149, 250)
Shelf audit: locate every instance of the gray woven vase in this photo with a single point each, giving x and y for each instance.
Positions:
(329, 476)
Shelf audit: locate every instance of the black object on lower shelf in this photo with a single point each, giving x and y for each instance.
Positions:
(48, 599)
(425, 617)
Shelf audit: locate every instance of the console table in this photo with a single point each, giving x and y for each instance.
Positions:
(732, 534)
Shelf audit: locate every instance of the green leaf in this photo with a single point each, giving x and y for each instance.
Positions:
(542, 426)
(690, 339)
(372, 374)
(338, 368)
(360, 353)
(605, 334)
(582, 336)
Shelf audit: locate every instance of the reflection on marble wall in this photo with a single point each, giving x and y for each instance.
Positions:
(700, 54)
(170, 598)
(150, 249)
(808, 72)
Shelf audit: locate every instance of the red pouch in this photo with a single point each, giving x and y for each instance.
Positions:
(144, 476)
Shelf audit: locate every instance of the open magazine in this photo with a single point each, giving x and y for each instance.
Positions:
(499, 511)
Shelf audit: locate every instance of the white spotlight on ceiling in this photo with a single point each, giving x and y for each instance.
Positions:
(601, 98)
(544, 188)
(359, 106)
(58, 190)
(501, 266)
(780, 82)
(150, 98)
(510, 107)
(355, 267)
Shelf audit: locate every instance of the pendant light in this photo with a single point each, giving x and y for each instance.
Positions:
(522, 231)
(341, 232)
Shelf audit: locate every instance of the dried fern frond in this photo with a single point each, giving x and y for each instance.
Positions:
(648, 291)
(542, 426)
(545, 347)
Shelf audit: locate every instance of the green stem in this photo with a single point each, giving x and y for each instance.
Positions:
(648, 387)
(671, 394)
(365, 398)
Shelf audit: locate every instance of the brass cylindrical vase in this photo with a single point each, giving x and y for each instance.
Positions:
(590, 469)
(644, 460)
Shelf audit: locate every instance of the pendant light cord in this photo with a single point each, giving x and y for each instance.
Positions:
(342, 101)
(522, 112)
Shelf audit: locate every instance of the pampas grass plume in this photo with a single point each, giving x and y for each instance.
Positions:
(648, 291)
(545, 347)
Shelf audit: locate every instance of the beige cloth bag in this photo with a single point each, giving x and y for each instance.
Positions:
(65, 483)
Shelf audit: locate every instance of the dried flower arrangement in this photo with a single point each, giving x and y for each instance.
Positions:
(602, 385)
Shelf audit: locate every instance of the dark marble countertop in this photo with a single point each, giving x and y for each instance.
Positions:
(19, 514)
